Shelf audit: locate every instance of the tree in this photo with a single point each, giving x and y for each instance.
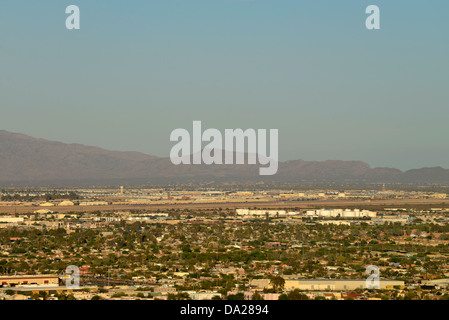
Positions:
(297, 295)
(171, 296)
(278, 283)
(182, 296)
(118, 295)
(257, 296)
(178, 296)
(9, 292)
(238, 296)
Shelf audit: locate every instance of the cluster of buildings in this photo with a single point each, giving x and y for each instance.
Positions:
(265, 213)
(347, 213)
(146, 253)
(145, 196)
(322, 213)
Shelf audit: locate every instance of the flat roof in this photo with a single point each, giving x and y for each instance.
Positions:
(38, 276)
(45, 288)
(340, 280)
(37, 288)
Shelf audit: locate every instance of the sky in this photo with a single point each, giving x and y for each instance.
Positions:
(136, 70)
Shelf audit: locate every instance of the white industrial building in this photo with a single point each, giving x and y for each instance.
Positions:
(347, 213)
(263, 213)
(441, 283)
(400, 218)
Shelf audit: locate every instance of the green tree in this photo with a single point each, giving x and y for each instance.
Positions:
(9, 292)
(297, 295)
(278, 283)
(257, 296)
(237, 296)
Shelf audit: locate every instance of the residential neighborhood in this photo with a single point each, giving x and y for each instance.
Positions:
(223, 253)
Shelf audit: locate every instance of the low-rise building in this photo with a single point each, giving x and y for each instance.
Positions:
(336, 284)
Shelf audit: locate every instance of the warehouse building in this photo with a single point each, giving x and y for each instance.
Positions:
(337, 284)
(16, 280)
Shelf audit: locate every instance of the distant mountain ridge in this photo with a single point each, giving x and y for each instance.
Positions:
(29, 161)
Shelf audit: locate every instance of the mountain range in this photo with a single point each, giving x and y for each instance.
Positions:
(29, 161)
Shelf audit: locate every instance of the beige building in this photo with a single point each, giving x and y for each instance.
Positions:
(47, 204)
(9, 219)
(259, 284)
(66, 203)
(43, 279)
(336, 284)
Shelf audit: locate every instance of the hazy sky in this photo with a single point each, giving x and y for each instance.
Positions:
(136, 70)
